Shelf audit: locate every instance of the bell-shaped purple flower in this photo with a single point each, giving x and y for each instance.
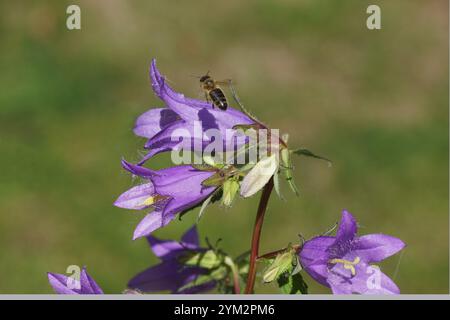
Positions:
(63, 284)
(170, 275)
(168, 191)
(186, 119)
(343, 262)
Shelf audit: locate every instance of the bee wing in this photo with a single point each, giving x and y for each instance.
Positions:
(225, 82)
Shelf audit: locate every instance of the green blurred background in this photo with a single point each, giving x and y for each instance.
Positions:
(375, 102)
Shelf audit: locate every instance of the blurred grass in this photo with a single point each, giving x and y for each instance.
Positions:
(376, 102)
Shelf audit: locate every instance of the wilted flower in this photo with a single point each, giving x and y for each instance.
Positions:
(162, 125)
(170, 274)
(63, 284)
(168, 191)
(343, 262)
(259, 175)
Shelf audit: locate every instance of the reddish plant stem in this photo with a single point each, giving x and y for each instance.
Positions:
(257, 235)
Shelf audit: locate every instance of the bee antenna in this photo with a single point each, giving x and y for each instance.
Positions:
(194, 76)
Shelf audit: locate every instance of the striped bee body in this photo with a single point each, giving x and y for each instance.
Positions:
(213, 92)
(218, 98)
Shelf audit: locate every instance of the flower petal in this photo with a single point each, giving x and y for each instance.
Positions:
(367, 280)
(347, 228)
(59, 283)
(314, 257)
(168, 275)
(165, 249)
(177, 136)
(155, 151)
(157, 278)
(153, 121)
(259, 175)
(136, 198)
(156, 78)
(211, 118)
(191, 236)
(138, 170)
(377, 247)
(152, 222)
(184, 185)
(86, 285)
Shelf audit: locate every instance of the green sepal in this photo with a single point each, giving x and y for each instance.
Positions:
(246, 127)
(276, 184)
(297, 266)
(217, 274)
(307, 153)
(215, 180)
(204, 205)
(285, 137)
(281, 264)
(208, 259)
(286, 165)
(203, 167)
(243, 263)
(230, 189)
(216, 196)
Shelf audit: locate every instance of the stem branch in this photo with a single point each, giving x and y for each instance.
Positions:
(273, 254)
(235, 272)
(257, 235)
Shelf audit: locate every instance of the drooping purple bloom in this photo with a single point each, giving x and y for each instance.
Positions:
(189, 118)
(63, 284)
(343, 262)
(170, 275)
(168, 191)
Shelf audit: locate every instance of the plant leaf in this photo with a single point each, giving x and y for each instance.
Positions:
(292, 284)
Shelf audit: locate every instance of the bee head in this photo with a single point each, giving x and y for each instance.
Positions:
(205, 78)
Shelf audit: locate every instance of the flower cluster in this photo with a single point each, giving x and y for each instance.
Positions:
(178, 118)
(343, 262)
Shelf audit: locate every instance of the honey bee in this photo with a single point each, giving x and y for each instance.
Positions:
(214, 92)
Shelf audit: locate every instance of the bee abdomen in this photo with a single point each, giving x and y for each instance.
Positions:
(218, 98)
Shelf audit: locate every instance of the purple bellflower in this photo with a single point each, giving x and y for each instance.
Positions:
(170, 274)
(165, 127)
(343, 262)
(63, 284)
(168, 191)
